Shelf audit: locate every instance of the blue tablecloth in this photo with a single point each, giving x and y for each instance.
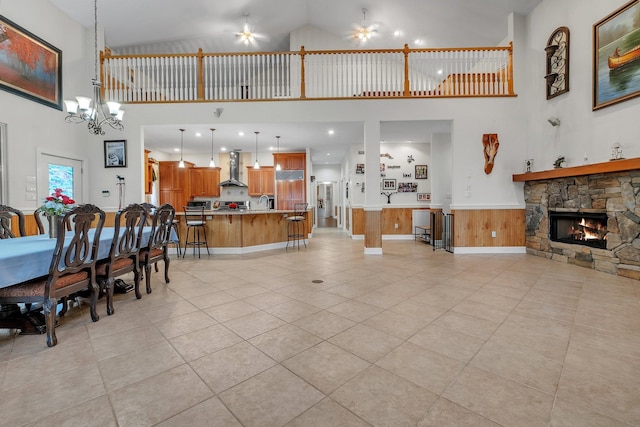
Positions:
(25, 258)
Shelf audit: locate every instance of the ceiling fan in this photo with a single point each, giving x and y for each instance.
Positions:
(364, 32)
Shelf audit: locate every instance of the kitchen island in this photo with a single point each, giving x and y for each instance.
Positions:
(238, 231)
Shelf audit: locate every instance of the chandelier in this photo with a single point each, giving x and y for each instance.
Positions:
(95, 112)
(246, 36)
(364, 32)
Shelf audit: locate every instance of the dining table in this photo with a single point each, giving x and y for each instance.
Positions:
(29, 257)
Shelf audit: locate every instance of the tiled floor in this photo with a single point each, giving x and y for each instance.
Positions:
(410, 338)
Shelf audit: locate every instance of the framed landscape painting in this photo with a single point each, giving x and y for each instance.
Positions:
(115, 154)
(616, 56)
(29, 66)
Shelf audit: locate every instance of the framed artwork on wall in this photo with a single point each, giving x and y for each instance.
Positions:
(407, 187)
(424, 197)
(29, 66)
(616, 56)
(388, 184)
(360, 168)
(421, 172)
(115, 154)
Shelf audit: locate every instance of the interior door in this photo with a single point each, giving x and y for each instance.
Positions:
(59, 172)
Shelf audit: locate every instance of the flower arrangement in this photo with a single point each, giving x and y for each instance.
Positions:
(57, 203)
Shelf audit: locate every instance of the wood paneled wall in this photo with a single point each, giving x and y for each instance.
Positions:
(372, 235)
(389, 218)
(472, 228)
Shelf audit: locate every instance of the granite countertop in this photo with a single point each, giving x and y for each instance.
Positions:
(242, 211)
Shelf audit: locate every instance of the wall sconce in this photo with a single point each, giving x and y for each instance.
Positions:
(557, 50)
(554, 121)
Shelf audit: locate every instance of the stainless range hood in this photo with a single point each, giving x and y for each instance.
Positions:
(234, 171)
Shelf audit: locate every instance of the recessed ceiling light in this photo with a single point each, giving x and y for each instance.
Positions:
(397, 33)
(240, 133)
(331, 132)
(223, 148)
(409, 141)
(198, 134)
(439, 71)
(328, 154)
(176, 149)
(271, 148)
(418, 41)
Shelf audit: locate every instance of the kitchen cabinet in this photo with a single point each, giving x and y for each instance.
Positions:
(204, 182)
(175, 184)
(148, 173)
(290, 193)
(291, 161)
(260, 181)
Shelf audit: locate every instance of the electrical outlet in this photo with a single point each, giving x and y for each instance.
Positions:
(493, 234)
(396, 225)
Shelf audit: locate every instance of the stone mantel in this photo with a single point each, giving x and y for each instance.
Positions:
(595, 168)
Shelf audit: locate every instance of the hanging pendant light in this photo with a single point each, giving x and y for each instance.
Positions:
(278, 167)
(256, 165)
(95, 112)
(364, 32)
(246, 36)
(212, 163)
(181, 164)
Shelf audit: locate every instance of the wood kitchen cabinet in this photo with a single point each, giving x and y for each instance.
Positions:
(290, 193)
(175, 184)
(291, 161)
(204, 182)
(260, 181)
(148, 173)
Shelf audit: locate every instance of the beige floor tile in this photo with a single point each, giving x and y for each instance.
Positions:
(395, 324)
(284, 342)
(446, 413)
(608, 396)
(247, 291)
(184, 324)
(493, 299)
(271, 398)
(210, 413)
(550, 311)
(470, 325)
(326, 366)
(437, 300)
(108, 325)
(483, 311)
(499, 399)
(157, 398)
(526, 367)
(324, 324)
(430, 370)
(127, 341)
(202, 342)
(381, 299)
(355, 310)
(384, 399)
(169, 310)
(448, 342)
(291, 311)
(606, 363)
(94, 413)
(212, 299)
(617, 342)
(565, 414)
(232, 365)
(267, 299)
(254, 324)
(365, 342)
(230, 310)
(553, 299)
(322, 299)
(128, 368)
(424, 313)
(327, 413)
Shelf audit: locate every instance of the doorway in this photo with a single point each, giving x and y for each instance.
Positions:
(59, 172)
(326, 207)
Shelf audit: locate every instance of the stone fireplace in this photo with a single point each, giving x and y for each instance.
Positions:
(558, 201)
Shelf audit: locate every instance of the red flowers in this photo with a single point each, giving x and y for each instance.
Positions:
(57, 203)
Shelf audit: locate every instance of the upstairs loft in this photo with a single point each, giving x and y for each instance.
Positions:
(308, 75)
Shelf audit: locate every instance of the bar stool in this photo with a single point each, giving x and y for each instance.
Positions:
(296, 225)
(195, 221)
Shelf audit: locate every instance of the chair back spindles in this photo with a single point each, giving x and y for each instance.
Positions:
(6, 217)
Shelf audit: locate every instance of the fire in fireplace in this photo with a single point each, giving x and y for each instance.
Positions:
(579, 228)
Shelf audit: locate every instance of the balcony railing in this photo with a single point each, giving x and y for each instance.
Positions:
(330, 74)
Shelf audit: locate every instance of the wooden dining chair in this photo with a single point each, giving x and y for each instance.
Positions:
(124, 253)
(72, 268)
(6, 218)
(156, 248)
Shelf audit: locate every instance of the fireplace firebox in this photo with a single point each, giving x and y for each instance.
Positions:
(579, 228)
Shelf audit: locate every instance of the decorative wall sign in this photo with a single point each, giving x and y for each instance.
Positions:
(406, 175)
(424, 197)
(616, 56)
(557, 63)
(360, 168)
(29, 66)
(421, 171)
(394, 167)
(407, 187)
(491, 144)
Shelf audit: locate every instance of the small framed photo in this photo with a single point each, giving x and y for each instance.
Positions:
(408, 187)
(388, 184)
(424, 197)
(360, 168)
(115, 153)
(421, 172)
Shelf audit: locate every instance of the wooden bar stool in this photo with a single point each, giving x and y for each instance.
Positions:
(296, 226)
(196, 224)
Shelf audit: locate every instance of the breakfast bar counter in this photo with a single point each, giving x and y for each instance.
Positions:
(236, 231)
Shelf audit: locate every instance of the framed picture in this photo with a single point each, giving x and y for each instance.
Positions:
(424, 197)
(616, 54)
(29, 66)
(360, 168)
(421, 172)
(407, 187)
(388, 184)
(115, 154)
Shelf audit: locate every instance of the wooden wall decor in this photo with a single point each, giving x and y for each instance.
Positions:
(491, 144)
(557, 62)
